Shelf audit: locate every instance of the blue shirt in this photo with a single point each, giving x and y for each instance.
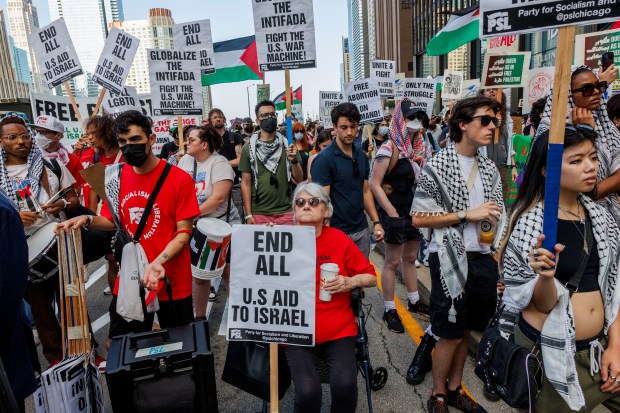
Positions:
(345, 176)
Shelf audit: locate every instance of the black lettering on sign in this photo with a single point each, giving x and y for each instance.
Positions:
(266, 265)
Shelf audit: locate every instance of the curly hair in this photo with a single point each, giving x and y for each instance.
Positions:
(102, 126)
(210, 135)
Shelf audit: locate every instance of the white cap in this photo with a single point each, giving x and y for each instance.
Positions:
(49, 123)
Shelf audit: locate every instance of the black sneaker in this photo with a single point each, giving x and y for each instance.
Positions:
(459, 399)
(419, 308)
(212, 294)
(393, 321)
(437, 404)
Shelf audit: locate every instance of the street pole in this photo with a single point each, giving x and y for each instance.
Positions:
(247, 89)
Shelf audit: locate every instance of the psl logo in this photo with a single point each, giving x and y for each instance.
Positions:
(498, 22)
(235, 334)
(135, 215)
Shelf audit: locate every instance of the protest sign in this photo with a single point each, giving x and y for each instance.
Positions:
(115, 61)
(272, 284)
(114, 103)
(470, 88)
(365, 94)
(327, 101)
(521, 146)
(502, 17)
(503, 44)
(196, 36)
(176, 88)
(505, 70)
(384, 72)
(539, 84)
(297, 112)
(589, 47)
(420, 91)
(263, 92)
(452, 85)
(56, 56)
(284, 34)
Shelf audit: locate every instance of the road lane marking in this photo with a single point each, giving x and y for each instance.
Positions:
(101, 322)
(94, 277)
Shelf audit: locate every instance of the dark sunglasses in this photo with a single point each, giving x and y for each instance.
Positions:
(577, 129)
(587, 90)
(485, 120)
(300, 202)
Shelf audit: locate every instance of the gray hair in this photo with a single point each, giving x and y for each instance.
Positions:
(316, 191)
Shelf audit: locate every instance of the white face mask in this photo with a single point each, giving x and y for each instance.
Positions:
(299, 135)
(383, 130)
(43, 141)
(414, 125)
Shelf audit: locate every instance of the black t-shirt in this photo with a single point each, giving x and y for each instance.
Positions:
(231, 140)
(378, 143)
(168, 149)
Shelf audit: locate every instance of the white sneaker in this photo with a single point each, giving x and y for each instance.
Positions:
(107, 291)
(417, 264)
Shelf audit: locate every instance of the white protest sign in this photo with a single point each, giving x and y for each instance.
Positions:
(297, 112)
(502, 17)
(55, 53)
(539, 84)
(327, 101)
(176, 88)
(196, 35)
(272, 284)
(384, 71)
(115, 61)
(470, 88)
(503, 44)
(114, 103)
(452, 85)
(284, 34)
(420, 91)
(365, 94)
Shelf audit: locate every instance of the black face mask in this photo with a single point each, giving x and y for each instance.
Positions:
(135, 154)
(269, 125)
(249, 129)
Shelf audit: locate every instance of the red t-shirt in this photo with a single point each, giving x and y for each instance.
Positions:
(88, 159)
(335, 319)
(75, 166)
(175, 202)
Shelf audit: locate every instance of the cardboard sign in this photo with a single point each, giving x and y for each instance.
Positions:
(503, 44)
(384, 71)
(272, 284)
(420, 91)
(263, 92)
(115, 61)
(539, 84)
(284, 34)
(114, 103)
(502, 17)
(590, 47)
(56, 56)
(196, 35)
(327, 101)
(176, 88)
(452, 85)
(470, 88)
(365, 94)
(505, 70)
(521, 145)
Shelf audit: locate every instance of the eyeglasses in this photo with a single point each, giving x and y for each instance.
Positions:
(587, 90)
(271, 115)
(356, 169)
(300, 202)
(485, 120)
(26, 137)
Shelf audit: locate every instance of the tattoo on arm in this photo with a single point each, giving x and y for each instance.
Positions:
(164, 256)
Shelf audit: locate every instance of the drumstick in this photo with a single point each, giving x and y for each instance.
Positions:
(57, 196)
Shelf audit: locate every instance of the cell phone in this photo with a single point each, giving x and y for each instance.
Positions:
(607, 59)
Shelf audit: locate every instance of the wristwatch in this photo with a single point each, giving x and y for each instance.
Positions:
(462, 215)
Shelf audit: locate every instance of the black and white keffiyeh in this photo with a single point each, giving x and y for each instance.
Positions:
(35, 174)
(442, 189)
(268, 154)
(558, 332)
(113, 190)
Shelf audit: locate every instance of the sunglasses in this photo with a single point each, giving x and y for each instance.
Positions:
(485, 120)
(577, 129)
(300, 202)
(587, 90)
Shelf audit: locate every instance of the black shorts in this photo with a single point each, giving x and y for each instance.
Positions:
(475, 308)
(399, 230)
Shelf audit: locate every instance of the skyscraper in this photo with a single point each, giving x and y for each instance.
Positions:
(20, 63)
(394, 35)
(361, 36)
(116, 9)
(10, 86)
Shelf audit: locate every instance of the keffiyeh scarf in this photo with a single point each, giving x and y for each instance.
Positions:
(268, 154)
(558, 332)
(61, 154)
(416, 151)
(113, 191)
(35, 174)
(442, 189)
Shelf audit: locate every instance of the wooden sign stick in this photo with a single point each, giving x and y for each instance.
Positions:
(73, 102)
(99, 101)
(180, 134)
(274, 400)
(499, 99)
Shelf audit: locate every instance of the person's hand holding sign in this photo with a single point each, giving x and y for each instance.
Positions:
(583, 116)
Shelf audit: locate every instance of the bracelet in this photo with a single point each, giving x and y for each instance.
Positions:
(90, 221)
(375, 223)
(248, 216)
(65, 202)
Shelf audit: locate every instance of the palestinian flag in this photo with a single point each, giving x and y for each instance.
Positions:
(280, 100)
(462, 28)
(236, 60)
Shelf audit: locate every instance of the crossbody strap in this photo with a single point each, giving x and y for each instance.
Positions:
(151, 202)
(573, 284)
(472, 175)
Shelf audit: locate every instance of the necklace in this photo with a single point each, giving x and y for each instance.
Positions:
(577, 215)
(582, 221)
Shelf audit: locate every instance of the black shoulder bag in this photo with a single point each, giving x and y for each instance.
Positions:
(513, 372)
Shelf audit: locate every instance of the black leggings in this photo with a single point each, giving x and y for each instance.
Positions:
(339, 356)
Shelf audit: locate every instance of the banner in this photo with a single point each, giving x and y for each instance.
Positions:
(539, 84)
(505, 70)
(196, 36)
(263, 92)
(502, 17)
(327, 101)
(590, 47)
(365, 94)
(114, 103)
(56, 56)
(272, 284)
(115, 61)
(284, 34)
(384, 72)
(420, 91)
(452, 85)
(176, 88)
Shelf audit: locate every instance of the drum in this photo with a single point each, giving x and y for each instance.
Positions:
(43, 253)
(209, 247)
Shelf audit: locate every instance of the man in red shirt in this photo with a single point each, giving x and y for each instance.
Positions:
(168, 228)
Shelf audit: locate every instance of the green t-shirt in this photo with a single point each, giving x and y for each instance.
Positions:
(273, 199)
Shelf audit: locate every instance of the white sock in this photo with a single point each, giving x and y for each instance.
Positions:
(429, 330)
(390, 305)
(413, 297)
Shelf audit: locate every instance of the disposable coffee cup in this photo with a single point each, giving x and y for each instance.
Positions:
(328, 271)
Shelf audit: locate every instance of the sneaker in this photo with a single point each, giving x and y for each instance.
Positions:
(437, 404)
(107, 291)
(35, 335)
(417, 264)
(426, 264)
(459, 399)
(100, 362)
(212, 295)
(393, 321)
(419, 308)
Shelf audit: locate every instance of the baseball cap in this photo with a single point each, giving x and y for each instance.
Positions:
(408, 109)
(173, 126)
(49, 123)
